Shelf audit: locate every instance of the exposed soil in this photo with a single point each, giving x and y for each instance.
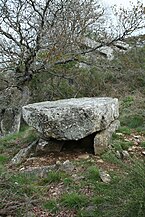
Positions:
(75, 151)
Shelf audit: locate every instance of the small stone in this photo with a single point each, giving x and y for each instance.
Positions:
(58, 163)
(76, 178)
(90, 208)
(118, 155)
(31, 159)
(137, 136)
(126, 140)
(84, 156)
(134, 148)
(130, 149)
(125, 154)
(136, 143)
(16, 183)
(23, 154)
(29, 214)
(74, 175)
(119, 134)
(100, 161)
(67, 166)
(143, 152)
(21, 169)
(105, 177)
(54, 194)
(91, 160)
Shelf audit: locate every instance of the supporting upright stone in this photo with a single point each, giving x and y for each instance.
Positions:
(47, 146)
(103, 138)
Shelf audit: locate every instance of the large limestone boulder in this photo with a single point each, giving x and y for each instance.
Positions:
(104, 51)
(121, 45)
(71, 119)
(90, 43)
(107, 52)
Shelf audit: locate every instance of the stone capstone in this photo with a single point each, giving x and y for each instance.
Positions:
(71, 119)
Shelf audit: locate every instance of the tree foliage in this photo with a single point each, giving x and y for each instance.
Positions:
(35, 35)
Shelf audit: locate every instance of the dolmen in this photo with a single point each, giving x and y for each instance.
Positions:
(73, 120)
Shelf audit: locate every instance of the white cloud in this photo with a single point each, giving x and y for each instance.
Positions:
(119, 3)
(124, 3)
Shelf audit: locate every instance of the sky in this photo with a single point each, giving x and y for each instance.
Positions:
(123, 3)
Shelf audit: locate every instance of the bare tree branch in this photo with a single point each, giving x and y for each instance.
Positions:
(34, 32)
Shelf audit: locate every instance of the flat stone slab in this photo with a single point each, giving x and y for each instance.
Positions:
(71, 119)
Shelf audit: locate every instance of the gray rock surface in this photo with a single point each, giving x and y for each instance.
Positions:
(12, 99)
(67, 166)
(23, 154)
(107, 52)
(125, 154)
(121, 45)
(71, 119)
(39, 171)
(10, 121)
(103, 138)
(90, 43)
(105, 177)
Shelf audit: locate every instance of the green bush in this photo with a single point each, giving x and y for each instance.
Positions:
(133, 121)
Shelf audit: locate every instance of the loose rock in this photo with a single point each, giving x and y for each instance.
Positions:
(23, 154)
(84, 156)
(118, 155)
(39, 171)
(100, 161)
(67, 166)
(105, 177)
(125, 154)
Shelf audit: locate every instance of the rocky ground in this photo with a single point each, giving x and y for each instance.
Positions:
(79, 182)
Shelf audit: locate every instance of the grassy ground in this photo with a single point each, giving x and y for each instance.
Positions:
(80, 193)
